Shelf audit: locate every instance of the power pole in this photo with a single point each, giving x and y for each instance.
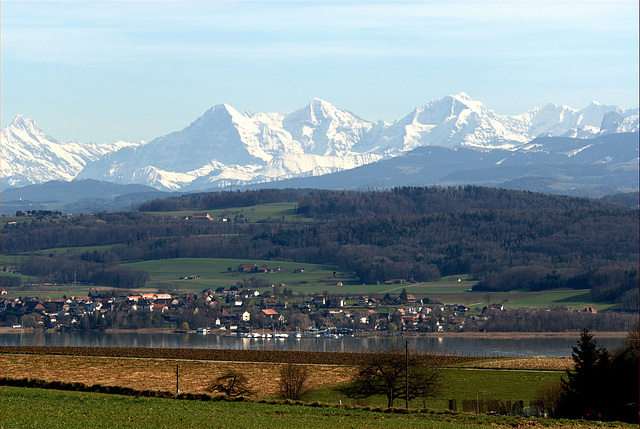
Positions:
(406, 374)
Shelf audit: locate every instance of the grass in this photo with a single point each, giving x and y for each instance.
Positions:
(263, 212)
(167, 273)
(78, 249)
(55, 292)
(71, 410)
(214, 273)
(461, 383)
(158, 374)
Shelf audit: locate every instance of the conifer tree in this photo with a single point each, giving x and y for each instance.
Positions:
(586, 385)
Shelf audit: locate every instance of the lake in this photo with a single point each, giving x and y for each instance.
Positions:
(542, 345)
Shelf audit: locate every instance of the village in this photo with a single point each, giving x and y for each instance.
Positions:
(236, 310)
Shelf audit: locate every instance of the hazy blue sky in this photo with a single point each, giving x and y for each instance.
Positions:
(107, 71)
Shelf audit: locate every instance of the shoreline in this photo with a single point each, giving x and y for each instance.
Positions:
(487, 335)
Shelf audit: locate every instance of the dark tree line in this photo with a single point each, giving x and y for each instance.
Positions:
(507, 239)
(556, 320)
(222, 200)
(67, 269)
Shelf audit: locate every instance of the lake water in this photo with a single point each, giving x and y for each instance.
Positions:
(467, 346)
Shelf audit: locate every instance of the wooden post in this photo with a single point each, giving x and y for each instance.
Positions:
(406, 374)
(177, 378)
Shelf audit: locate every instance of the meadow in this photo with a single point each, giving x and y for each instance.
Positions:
(76, 410)
(169, 274)
(462, 378)
(285, 211)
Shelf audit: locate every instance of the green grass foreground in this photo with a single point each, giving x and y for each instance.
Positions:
(40, 408)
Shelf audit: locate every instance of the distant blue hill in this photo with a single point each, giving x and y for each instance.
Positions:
(82, 196)
(606, 165)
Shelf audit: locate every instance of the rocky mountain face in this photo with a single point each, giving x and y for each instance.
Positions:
(224, 147)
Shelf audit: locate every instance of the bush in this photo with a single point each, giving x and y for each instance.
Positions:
(232, 384)
(550, 396)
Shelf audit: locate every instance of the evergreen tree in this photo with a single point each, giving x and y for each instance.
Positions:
(624, 378)
(586, 386)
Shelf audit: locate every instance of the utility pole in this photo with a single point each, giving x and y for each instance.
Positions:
(406, 374)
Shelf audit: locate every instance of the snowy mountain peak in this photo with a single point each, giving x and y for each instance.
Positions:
(28, 125)
(319, 109)
(31, 156)
(19, 121)
(225, 146)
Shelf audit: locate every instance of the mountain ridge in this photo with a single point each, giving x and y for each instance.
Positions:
(224, 147)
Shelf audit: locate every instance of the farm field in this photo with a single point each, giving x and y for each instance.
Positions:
(155, 369)
(261, 212)
(71, 410)
(213, 273)
(167, 274)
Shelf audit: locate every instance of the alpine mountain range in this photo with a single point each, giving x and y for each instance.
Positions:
(226, 148)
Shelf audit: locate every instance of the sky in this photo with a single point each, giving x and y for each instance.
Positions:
(137, 70)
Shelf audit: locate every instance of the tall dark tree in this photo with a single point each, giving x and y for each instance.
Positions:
(587, 384)
(624, 378)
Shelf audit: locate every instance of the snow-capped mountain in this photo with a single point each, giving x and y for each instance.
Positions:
(31, 156)
(225, 147)
(455, 120)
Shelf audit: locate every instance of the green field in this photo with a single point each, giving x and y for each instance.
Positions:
(214, 273)
(262, 212)
(70, 410)
(8, 260)
(459, 384)
(167, 274)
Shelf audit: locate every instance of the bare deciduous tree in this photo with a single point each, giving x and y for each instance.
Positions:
(293, 381)
(232, 383)
(385, 373)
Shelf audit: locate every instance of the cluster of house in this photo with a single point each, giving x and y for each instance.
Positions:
(242, 309)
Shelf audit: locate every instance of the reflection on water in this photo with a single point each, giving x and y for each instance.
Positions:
(522, 347)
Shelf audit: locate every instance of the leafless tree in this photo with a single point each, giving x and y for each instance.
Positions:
(385, 373)
(232, 383)
(293, 381)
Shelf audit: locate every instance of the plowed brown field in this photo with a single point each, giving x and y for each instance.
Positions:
(272, 356)
(155, 369)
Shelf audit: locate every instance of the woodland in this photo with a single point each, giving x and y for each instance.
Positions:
(504, 239)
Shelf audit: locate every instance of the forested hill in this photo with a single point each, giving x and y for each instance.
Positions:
(397, 201)
(506, 239)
